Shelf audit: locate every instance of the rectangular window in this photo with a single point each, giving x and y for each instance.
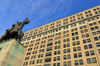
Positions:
(81, 62)
(49, 49)
(50, 44)
(48, 60)
(54, 58)
(86, 30)
(74, 43)
(68, 45)
(85, 47)
(90, 46)
(64, 46)
(90, 24)
(76, 62)
(99, 51)
(47, 65)
(73, 38)
(68, 40)
(87, 53)
(87, 35)
(64, 50)
(88, 40)
(78, 42)
(96, 38)
(96, 27)
(99, 22)
(76, 33)
(65, 63)
(92, 52)
(68, 50)
(55, 47)
(92, 28)
(58, 64)
(55, 52)
(49, 54)
(74, 49)
(88, 61)
(58, 58)
(77, 37)
(54, 64)
(98, 32)
(75, 55)
(80, 54)
(59, 52)
(69, 56)
(83, 36)
(72, 34)
(94, 60)
(69, 63)
(84, 41)
(98, 44)
(79, 48)
(93, 33)
(65, 57)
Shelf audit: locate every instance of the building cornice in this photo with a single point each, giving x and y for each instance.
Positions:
(61, 26)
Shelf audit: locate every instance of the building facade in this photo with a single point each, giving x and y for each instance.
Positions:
(71, 41)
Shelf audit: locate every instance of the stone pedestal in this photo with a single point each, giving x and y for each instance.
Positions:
(11, 53)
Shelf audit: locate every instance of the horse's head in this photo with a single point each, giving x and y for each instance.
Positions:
(26, 21)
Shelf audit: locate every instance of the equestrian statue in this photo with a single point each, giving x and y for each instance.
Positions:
(15, 32)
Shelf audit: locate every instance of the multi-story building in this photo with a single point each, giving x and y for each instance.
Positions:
(71, 41)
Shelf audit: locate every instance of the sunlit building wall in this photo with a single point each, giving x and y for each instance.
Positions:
(71, 41)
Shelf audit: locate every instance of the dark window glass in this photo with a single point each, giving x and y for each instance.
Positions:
(75, 55)
(89, 61)
(87, 53)
(92, 52)
(96, 27)
(48, 60)
(85, 47)
(74, 49)
(87, 35)
(54, 58)
(80, 54)
(55, 52)
(99, 51)
(50, 44)
(92, 28)
(74, 43)
(54, 64)
(72, 34)
(84, 41)
(68, 50)
(81, 62)
(76, 62)
(58, 64)
(94, 60)
(78, 42)
(96, 38)
(76, 33)
(77, 37)
(98, 44)
(88, 40)
(90, 46)
(64, 45)
(90, 24)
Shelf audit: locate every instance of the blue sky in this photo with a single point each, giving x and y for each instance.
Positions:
(39, 12)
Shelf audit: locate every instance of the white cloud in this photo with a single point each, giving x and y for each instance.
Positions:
(40, 12)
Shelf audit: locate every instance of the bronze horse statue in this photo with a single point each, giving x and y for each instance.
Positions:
(15, 32)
